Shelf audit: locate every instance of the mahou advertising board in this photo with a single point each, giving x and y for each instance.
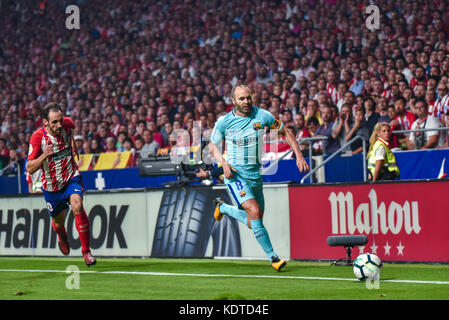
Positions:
(405, 221)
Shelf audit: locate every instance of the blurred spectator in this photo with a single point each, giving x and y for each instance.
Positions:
(371, 116)
(445, 137)
(287, 118)
(343, 125)
(86, 149)
(330, 145)
(156, 135)
(427, 139)
(110, 145)
(150, 146)
(358, 128)
(22, 149)
(430, 99)
(166, 131)
(419, 77)
(438, 109)
(349, 99)
(132, 132)
(312, 111)
(12, 166)
(141, 127)
(95, 146)
(312, 125)
(116, 124)
(300, 127)
(138, 144)
(394, 138)
(92, 129)
(384, 115)
(331, 86)
(403, 121)
(103, 135)
(79, 142)
(401, 67)
(127, 146)
(122, 135)
(357, 82)
(4, 151)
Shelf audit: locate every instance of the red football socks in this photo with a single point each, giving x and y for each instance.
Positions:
(61, 232)
(82, 225)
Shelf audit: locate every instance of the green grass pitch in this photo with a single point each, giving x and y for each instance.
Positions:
(38, 278)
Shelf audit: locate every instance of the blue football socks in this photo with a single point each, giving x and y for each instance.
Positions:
(257, 226)
(234, 212)
(262, 237)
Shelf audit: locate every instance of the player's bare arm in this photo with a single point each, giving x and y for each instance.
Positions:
(291, 140)
(34, 165)
(227, 168)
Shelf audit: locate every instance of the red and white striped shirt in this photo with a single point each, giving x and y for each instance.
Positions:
(332, 92)
(406, 122)
(387, 95)
(60, 167)
(438, 108)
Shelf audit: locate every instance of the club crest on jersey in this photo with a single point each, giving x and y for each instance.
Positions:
(257, 126)
(242, 193)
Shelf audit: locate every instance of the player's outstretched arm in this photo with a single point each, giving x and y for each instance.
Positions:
(291, 140)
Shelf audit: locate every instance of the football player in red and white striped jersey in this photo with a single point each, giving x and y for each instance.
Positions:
(53, 150)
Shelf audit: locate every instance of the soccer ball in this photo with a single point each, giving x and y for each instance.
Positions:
(366, 265)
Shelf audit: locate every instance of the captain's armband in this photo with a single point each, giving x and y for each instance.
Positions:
(276, 125)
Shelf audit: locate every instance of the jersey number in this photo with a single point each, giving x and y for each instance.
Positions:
(239, 185)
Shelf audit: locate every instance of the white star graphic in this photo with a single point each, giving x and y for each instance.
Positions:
(361, 249)
(387, 249)
(374, 248)
(400, 248)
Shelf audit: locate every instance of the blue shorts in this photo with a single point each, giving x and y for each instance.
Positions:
(243, 189)
(59, 200)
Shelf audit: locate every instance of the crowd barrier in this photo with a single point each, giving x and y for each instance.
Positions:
(404, 221)
(414, 165)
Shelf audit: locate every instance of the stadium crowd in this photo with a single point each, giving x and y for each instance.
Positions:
(136, 72)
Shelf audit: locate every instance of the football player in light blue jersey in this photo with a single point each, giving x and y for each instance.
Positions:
(242, 131)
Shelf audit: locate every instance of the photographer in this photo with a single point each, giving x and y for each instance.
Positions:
(216, 172)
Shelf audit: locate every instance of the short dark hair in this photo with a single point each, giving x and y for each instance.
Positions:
(313, 120)
(127, 139)
(421, 101)
(52, 106)
(400, 98)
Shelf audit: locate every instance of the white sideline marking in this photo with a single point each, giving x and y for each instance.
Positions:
(221, 275)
